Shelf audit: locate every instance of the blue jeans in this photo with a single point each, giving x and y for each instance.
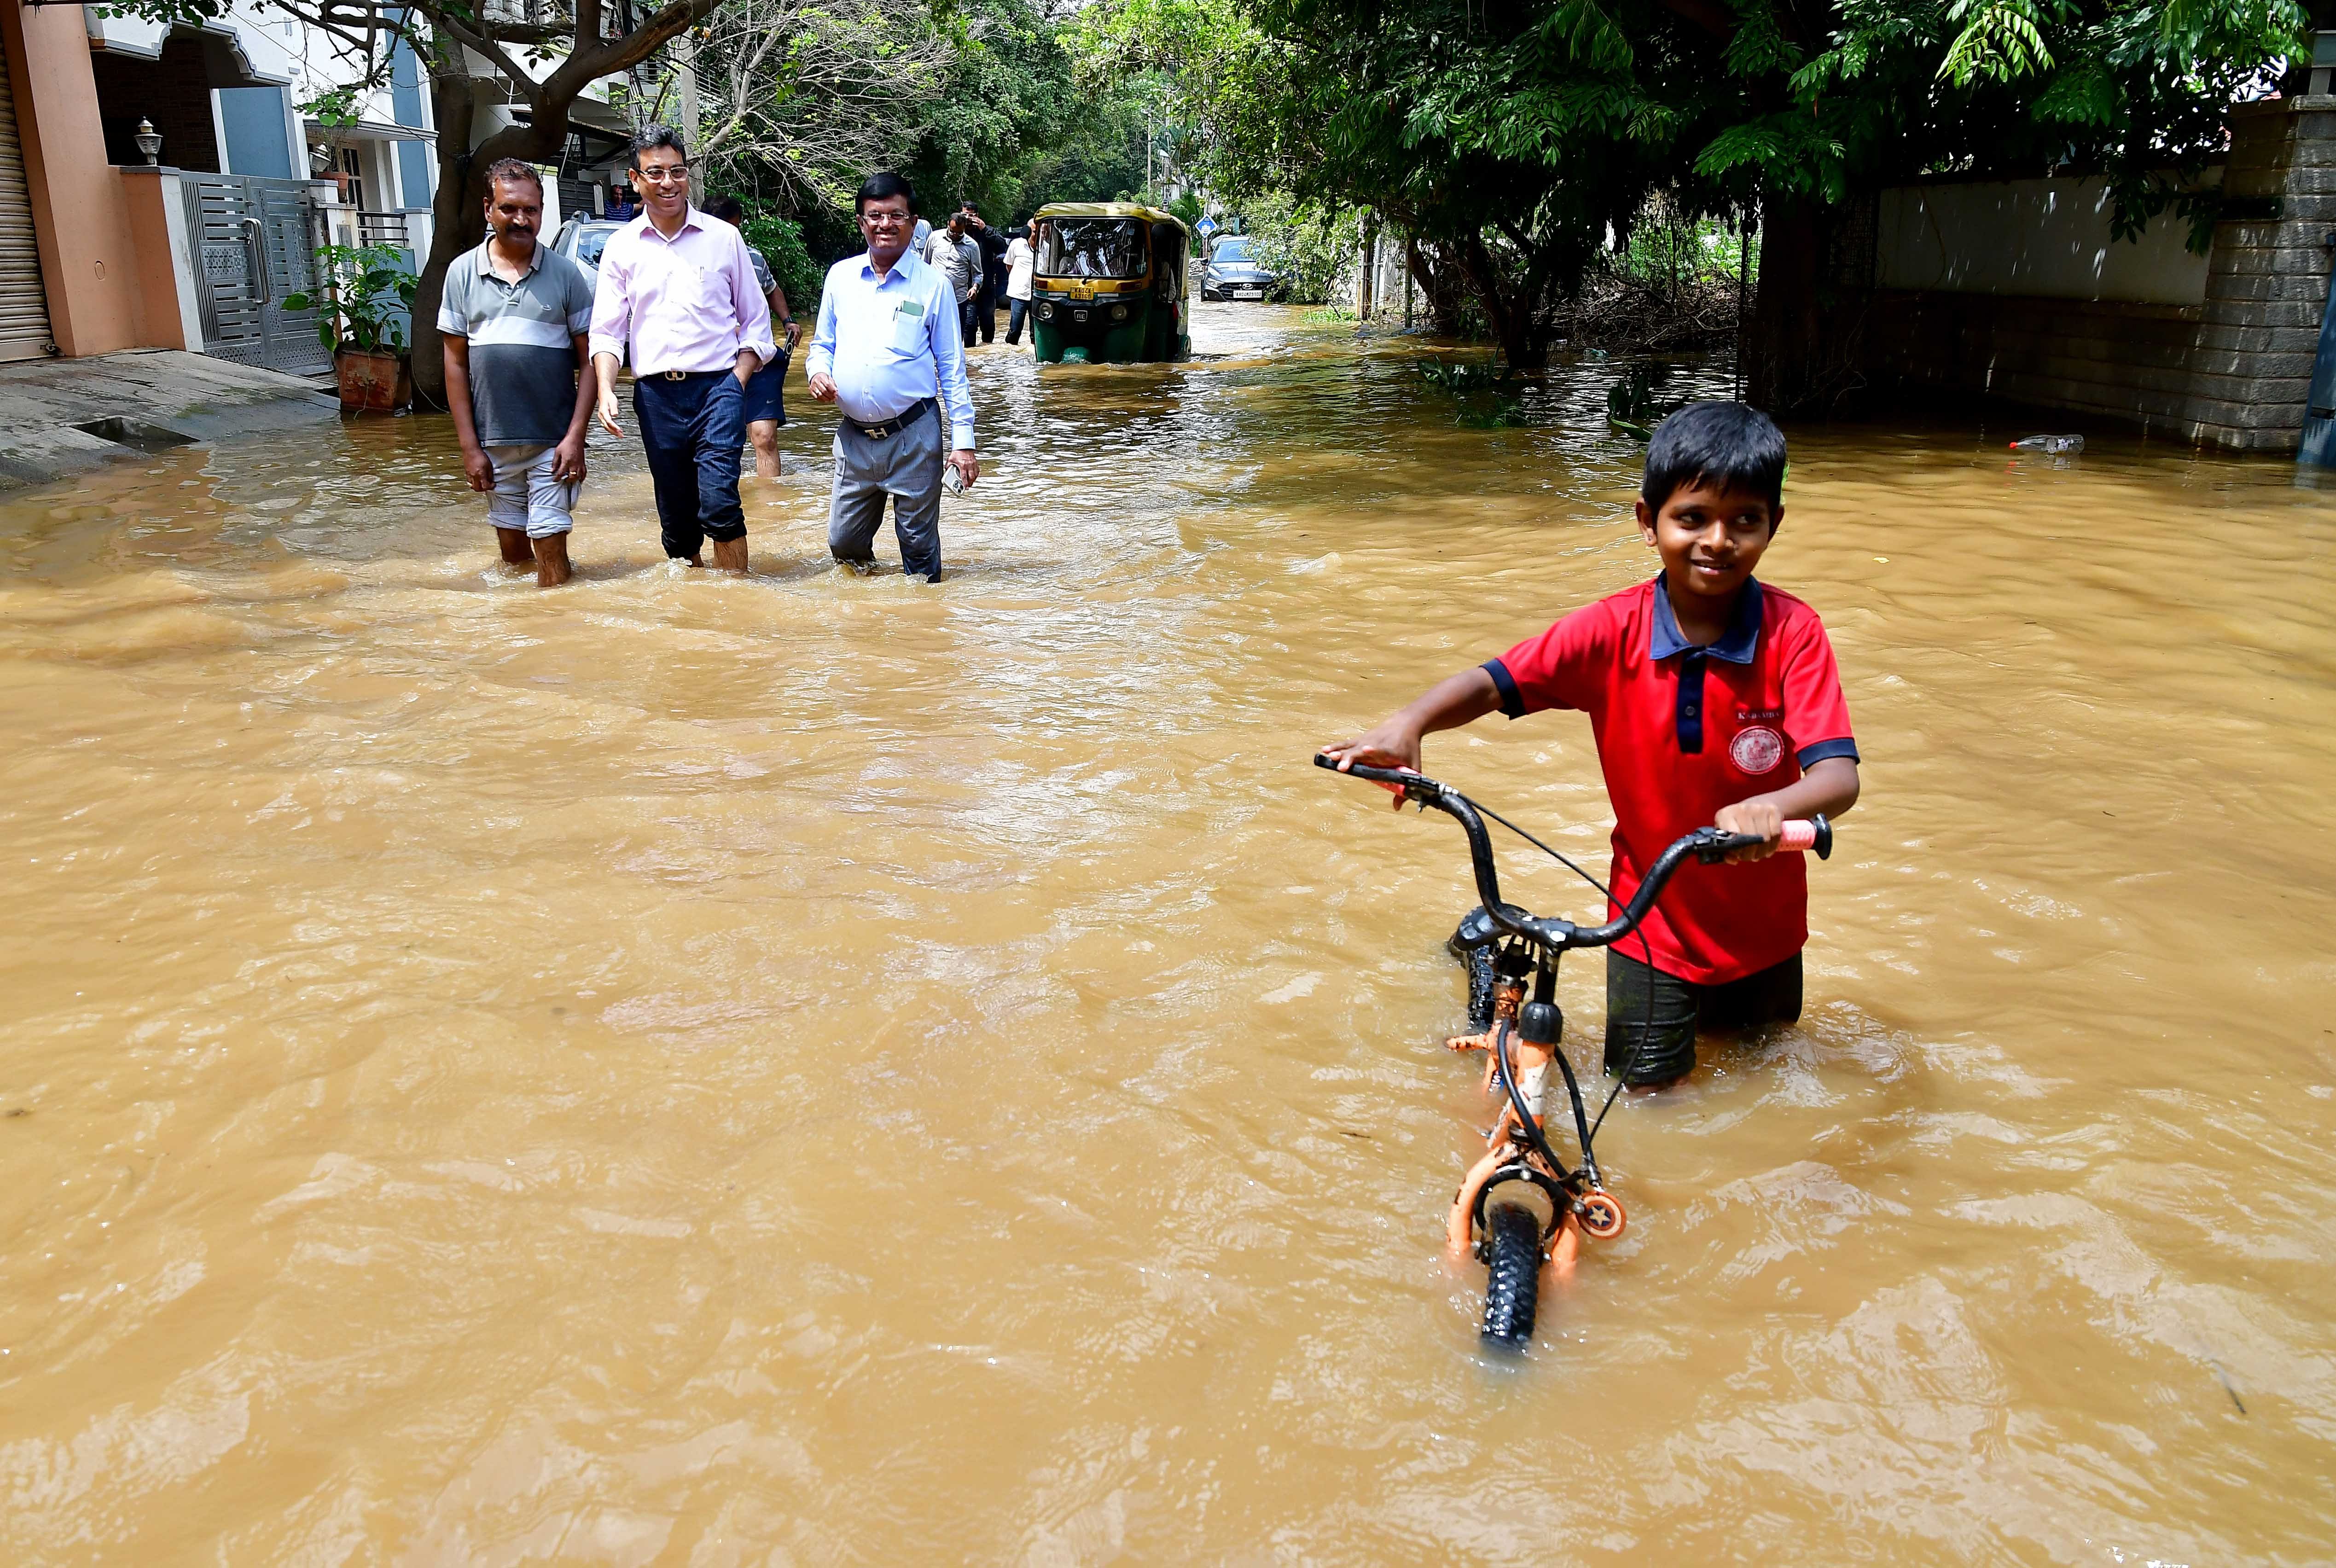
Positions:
(692, 430)
(1018, 311)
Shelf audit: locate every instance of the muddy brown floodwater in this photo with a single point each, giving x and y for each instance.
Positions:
(818, 1070)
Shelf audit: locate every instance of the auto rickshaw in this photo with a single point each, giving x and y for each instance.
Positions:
(1108, 284)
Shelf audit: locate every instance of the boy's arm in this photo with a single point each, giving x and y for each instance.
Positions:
(1829, 787)
(1394, 742)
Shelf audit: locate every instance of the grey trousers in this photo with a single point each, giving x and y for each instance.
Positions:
(905, 465)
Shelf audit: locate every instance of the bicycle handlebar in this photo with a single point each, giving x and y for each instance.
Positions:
(1706, 845)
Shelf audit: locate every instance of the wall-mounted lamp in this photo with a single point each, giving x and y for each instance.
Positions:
(149, 142)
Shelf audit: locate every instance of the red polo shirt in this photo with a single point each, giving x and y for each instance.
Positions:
(1683, 731)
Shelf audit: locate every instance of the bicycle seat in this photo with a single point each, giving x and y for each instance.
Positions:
(1477, 929)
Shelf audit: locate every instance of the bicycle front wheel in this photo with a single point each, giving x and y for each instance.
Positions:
(1513, 1288)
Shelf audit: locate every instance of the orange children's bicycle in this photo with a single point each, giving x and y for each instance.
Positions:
(1521, 1205)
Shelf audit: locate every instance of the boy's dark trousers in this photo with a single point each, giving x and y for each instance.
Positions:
(693, 426)
(1651, 1017)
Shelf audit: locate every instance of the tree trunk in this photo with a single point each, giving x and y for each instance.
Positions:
(450, 233)
(1804, 347)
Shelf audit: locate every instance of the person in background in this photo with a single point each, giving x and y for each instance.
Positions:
(985, 298)
(950, 254)
(522, 391)
(677, 289)
(1021, 267)
(621, 207)
(766, 407)
(886, 353)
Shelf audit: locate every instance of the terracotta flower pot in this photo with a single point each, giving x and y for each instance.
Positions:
(381, 381)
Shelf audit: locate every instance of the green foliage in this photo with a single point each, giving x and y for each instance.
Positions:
(1186, 207)
(781, 241)
(1310, 247)
(1511, 140)
(364, 297)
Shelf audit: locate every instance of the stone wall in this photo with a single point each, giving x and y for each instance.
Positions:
(2231, 371)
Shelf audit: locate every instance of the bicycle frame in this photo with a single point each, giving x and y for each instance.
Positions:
(1525, 1037)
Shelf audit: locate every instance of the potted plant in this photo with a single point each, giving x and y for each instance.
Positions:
(364, 301)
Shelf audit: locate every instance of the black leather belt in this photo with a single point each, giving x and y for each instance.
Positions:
(898, 423)
(688, 375)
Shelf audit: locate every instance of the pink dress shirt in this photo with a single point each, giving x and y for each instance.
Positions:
(688, 303)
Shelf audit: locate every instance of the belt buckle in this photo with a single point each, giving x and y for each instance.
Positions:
(878, 432)
(675, 374)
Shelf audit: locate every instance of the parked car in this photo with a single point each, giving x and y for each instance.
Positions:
(581, 240)
(1233, 272)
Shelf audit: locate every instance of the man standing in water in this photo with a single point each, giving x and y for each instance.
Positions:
(952, 253)
(887, 350)
(676, 287)
(518, 379)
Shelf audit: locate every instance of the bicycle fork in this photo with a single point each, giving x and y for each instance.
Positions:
(1526, 1038)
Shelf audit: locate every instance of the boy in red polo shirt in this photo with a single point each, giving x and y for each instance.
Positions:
(1715, 701)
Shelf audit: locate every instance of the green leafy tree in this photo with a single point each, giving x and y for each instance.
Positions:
(1517, 138)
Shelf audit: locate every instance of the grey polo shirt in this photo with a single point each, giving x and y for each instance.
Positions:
(522, 344)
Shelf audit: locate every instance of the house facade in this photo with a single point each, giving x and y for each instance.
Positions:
(176, 187)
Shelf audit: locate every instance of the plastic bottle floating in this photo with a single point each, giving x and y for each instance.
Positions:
(2052, 445)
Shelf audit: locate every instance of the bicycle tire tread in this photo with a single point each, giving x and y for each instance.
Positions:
(1513, 1283)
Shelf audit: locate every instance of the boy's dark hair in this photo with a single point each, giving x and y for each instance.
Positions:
(1728, 444)
(883, 187)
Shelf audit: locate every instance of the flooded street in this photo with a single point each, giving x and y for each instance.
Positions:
(820, 1070)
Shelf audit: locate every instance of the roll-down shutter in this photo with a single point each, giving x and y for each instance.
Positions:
(24, 302)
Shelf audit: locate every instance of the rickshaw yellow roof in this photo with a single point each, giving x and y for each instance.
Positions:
(1110, 209)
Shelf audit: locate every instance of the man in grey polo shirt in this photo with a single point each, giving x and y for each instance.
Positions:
(518, 379)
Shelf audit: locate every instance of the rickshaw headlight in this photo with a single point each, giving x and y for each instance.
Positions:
(1119, 313)
(1045, 313)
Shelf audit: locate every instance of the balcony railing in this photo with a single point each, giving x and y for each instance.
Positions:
(382, 229)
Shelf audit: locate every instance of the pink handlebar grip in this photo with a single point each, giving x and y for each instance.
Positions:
(1799, 835)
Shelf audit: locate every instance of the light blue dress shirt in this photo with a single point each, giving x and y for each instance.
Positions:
(888, 346)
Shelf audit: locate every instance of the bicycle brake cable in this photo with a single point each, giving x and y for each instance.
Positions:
(1647, 952)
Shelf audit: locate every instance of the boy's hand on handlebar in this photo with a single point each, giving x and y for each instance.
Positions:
(1757, 818)
(1392, 743)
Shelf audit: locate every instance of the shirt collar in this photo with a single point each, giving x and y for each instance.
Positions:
(899, 269)
(487, 261)
(691, 217)
(1736, 645)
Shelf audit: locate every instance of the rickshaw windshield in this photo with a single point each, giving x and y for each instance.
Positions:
(1093, 248)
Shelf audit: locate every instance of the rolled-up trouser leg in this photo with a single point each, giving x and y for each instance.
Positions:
(662, 409)
(719, 430)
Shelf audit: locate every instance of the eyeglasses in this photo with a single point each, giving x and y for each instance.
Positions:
(886, 220)
(676, 174)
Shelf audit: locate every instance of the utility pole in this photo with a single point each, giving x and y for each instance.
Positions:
(1367, 291)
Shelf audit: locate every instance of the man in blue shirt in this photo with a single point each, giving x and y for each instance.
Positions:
(887, 354)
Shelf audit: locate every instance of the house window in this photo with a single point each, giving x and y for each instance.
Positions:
(353, 165)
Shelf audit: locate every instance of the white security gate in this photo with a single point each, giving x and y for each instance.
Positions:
(24, 301)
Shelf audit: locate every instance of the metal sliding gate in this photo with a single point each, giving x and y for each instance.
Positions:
(254, 241)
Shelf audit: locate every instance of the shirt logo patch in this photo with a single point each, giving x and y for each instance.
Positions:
(1757, 750)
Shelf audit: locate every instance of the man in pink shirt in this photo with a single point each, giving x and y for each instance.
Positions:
(675, 286)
